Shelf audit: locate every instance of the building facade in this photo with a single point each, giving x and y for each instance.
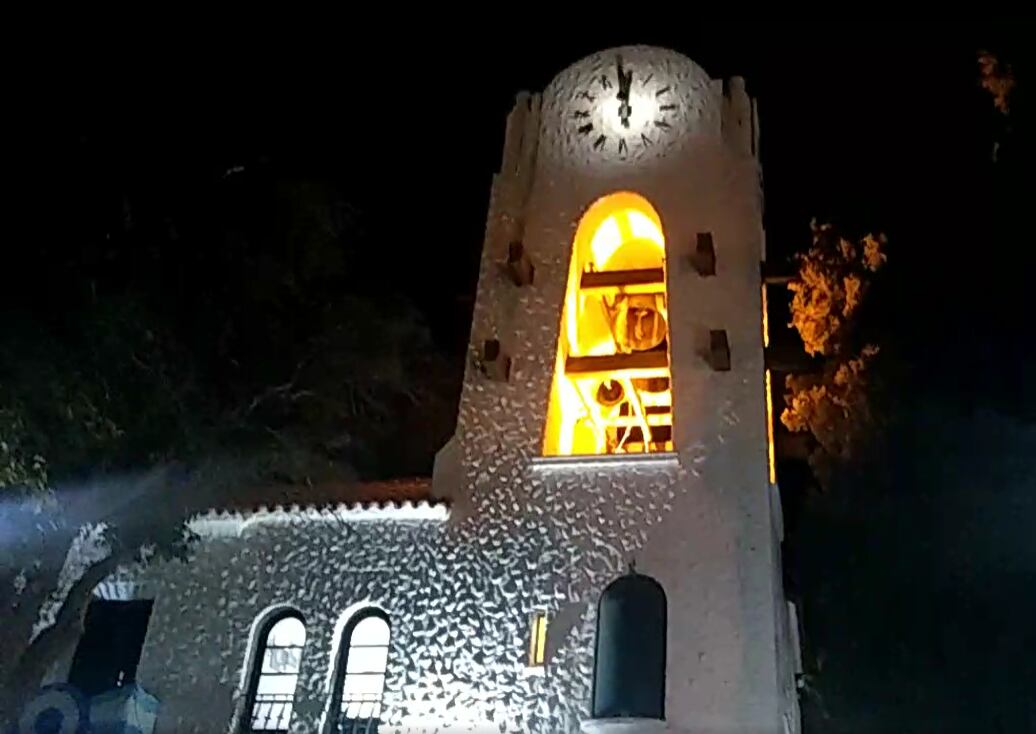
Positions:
(613, 415)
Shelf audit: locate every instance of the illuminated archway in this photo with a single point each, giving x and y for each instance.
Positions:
(612, 390)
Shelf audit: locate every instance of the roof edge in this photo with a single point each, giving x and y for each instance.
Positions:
(215, 522)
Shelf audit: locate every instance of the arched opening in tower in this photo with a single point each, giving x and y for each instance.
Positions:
(630, 651)
(612, 389)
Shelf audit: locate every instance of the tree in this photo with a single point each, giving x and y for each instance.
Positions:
(997, 78)
(834, 403)
(229, 343)
(19, 468)
(76, 400)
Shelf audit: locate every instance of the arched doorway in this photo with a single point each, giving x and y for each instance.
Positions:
(630, 651)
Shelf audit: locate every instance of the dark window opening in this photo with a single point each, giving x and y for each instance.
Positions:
(630, 652)
(109, 650)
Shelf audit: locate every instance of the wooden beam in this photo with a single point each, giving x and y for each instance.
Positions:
(618, 278)
(495, 364)
(614, 362)
(519, 266)
(789, 358)
(719, 350)
(776, 274)
(704, 256)
(653, 419)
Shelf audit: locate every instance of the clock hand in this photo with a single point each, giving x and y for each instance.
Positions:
(625, 80)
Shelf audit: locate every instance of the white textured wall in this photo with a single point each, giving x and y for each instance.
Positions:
(459, 594)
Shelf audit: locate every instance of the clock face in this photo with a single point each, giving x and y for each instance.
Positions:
(627, 106)
(624, 109)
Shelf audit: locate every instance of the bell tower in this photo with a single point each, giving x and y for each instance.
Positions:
(614, 408)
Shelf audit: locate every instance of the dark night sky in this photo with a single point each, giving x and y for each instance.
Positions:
(876, 127)
(918, 599)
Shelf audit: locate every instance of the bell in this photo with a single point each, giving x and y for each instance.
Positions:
(639, 324)
(610, 393)
(652, 384)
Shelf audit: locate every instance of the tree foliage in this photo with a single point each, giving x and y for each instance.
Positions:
(833, 404)
(20, 468)
(178, 348)
(833, 278)
(997, 78)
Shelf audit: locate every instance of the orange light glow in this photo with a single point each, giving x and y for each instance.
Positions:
(766, 320)
(612, 390)
(538, 639)
(770, 452)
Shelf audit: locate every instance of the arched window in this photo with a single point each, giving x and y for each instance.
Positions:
(611, 392)
(275, 672)
(360, 680)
